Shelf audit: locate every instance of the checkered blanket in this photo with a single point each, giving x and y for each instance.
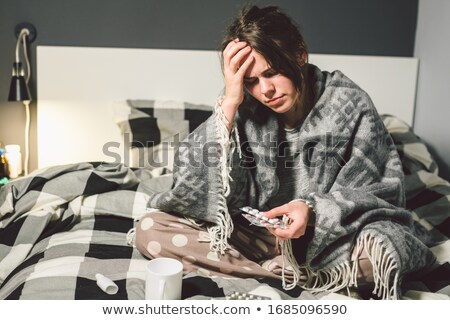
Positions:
(62, 225)
(428, 198)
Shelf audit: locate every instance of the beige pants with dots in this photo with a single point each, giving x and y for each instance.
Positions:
(253, 254)
(159, 234)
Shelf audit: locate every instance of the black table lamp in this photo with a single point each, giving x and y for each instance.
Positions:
(18, 90)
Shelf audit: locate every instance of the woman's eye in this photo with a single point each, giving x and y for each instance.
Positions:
(249, 82)
(271, 74)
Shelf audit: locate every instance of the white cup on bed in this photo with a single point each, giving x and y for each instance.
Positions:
(163, 280)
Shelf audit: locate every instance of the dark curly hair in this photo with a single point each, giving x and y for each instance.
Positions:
(273, 34)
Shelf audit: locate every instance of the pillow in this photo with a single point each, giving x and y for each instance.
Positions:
(427, 194)
(152, 129)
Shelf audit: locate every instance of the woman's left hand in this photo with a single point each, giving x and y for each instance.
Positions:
(298, 213)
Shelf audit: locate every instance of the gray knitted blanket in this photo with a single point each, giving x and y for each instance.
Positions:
(349, 170)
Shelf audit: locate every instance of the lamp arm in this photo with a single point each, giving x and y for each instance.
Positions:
(23, 33)
(27, 60)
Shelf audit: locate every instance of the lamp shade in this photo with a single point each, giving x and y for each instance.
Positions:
(18, 90)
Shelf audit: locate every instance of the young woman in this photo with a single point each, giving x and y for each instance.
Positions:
(297, 143)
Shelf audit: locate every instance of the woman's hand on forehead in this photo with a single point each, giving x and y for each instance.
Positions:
(237, 58)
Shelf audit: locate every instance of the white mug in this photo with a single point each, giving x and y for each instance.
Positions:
(164, 277)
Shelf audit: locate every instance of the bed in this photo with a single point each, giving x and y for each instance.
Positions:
(71, 218)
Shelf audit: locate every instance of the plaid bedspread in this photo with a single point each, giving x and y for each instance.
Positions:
(62, 225)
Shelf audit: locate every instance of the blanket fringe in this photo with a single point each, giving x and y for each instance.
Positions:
(385, 269)
(131, 237)
(344, 275)
(289, 259)
(228, 146)
(221, 231)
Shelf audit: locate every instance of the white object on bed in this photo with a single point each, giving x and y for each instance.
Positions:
(77, 87)
(106, 284)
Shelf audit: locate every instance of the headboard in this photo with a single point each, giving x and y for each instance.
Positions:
(77, 87)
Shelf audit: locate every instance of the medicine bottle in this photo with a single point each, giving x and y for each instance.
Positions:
(3, 164)
(14, 160)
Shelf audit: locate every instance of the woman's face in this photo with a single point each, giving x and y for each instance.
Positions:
(272, 89)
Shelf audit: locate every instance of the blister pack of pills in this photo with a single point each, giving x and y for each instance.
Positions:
(257, 218)
(236, 295)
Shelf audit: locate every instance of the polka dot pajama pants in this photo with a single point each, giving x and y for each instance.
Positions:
(159, 234)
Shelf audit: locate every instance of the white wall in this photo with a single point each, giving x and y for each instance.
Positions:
(432, 47)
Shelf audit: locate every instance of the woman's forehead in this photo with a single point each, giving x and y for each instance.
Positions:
(258, 66)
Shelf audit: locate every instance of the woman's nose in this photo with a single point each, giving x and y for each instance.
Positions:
(267, 86)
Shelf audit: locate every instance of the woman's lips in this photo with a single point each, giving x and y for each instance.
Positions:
(274, 101)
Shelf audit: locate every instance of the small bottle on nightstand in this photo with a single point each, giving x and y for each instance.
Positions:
(14, 159)
(3, 164)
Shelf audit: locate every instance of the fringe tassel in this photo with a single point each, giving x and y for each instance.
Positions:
(227, 146)
(221, 231)
(354, 273)
(237, 146)
(344, 275)
(385, 269)
(131, 237)
(334, 279)
(289, 259)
